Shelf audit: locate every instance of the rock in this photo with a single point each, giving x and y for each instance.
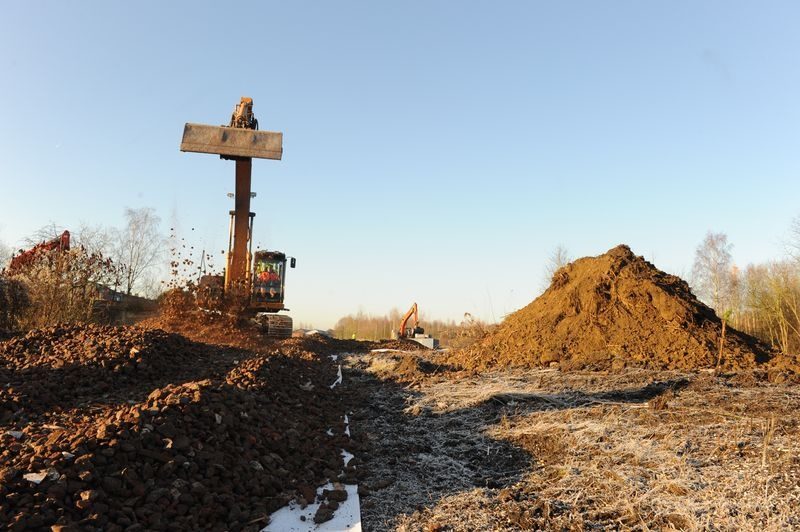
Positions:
(88, 495)
(337, 495)
(308, 493)
(181, 443)
(381, 484)
(323, 515)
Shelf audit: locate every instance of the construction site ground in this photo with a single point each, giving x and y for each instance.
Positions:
(544, 449)
(177, 434)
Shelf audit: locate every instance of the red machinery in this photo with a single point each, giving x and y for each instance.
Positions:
(60, 244)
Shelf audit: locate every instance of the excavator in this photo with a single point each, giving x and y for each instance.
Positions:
(415, 333)
(243, 116)
(257, 279)
(410, 332)
(60, 243)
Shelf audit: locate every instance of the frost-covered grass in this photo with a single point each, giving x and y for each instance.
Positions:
(639, 450)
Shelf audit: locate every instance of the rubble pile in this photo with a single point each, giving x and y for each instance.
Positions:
(220, 452)
(110, 347)
(63, 366)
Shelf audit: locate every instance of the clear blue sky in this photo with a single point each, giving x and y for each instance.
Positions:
(433, 151)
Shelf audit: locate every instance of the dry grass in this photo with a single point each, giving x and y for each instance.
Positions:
(612, 452)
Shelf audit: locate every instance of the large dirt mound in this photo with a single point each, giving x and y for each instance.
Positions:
(613, 311)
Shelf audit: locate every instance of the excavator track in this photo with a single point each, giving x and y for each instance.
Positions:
(275, 325)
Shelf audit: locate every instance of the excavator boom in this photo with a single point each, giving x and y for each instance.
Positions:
(60, 243)
(413, 311)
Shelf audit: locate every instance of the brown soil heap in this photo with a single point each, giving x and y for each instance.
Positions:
(124, 428)
(613, 311)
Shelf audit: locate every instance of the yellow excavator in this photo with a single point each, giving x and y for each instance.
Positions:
(258, 279)
(243, 116)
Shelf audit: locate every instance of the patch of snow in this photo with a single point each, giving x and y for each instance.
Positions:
(36, 478)
(338, 378)
(346, 518)
(346, 457)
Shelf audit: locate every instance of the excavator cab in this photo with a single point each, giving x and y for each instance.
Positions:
(269, 279)
(266, 297)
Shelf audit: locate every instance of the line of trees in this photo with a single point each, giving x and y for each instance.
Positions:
(364, 326)
(368, 327)
(760, 299)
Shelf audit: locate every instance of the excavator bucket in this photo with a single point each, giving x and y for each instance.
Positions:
(232, 142)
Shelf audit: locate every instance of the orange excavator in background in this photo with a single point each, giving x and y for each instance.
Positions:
(24, 258)
(415, 333)
(410, 332)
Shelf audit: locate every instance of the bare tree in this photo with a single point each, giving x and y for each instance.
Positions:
(48, 232)
(140, 245)
(793, 245)
(95, 238)
(711, 273)
(771, 307)
(14, 303)
(5, 254)
(559, 258)
(60, 286)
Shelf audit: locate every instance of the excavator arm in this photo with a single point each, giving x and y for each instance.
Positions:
(60, 244)
(242, 116)
(413, 311)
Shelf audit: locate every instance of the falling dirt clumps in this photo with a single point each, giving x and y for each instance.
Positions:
(610, 312)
